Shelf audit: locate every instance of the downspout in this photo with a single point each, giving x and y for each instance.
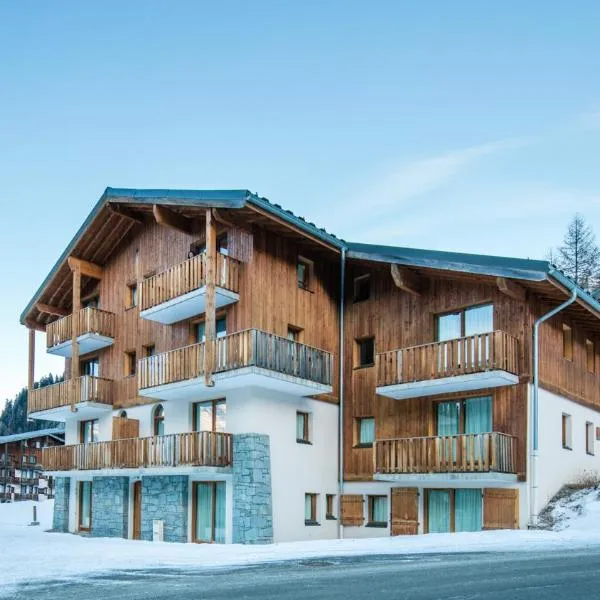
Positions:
(341, 391)
(533, 514)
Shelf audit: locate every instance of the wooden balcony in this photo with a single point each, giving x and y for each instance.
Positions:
(470, 363)
(477, 453)
(245, 358)
(95, 329)
(179, 292)
(194, 449)
(91, 396)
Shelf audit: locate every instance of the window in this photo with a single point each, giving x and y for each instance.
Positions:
(158, 421)
(465, 322)
(362, 288)
(330, 506)
(89, 431)
(365, 352)
(222, 245)
(310, 509)
(377, 511)
(471, 415)
(566, 432)
(210, 415)
(123, 414)
(590, 355)
(567, 342)
(131, 297)
(91, 367)
(130, 363)
(93, 302)
(589, 438)
(200, 329)
(304, 269)
(209, 512)
(365, 432)
(302, 430)
(293, 333)
(149, 350)
(85, 505)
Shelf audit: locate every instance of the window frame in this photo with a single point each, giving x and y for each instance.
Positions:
(131, 295)
(358, 442)
(358, 345)
(95, 426)
(371, 522)
(158, 419)
(590, 355)
(309, 265)
(590, 438)
(567, 342)
(213, 404)
(567, 431)
(462, 312)
(130, 363)
(358, 282)
(313, 509)
(306, 427)
(330, 512)
(149, 350)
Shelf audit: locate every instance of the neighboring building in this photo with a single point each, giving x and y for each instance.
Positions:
(21, 475)
(201, 332)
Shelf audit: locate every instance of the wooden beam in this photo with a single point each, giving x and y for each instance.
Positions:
(31, 324)
(211, 276)
(117, 209)
(406, 280)
(31, 366)
(511, 288)
(86, 268)
(168, 218)
(52, 310)
(74, 342)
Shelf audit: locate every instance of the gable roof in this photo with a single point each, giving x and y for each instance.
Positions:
(31, 435)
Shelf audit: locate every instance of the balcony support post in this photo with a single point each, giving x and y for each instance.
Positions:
(211, 276)
(31, 366)
(74, 342)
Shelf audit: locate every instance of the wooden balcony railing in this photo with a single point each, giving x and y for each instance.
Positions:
(248, 348)
(467, 453)
(483, 352)
(199, 448)
(86, 389)
(186, 277)
(87, 320)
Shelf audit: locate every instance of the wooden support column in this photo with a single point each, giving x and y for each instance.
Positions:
(211, 277)
(31, 369)
(74, 342)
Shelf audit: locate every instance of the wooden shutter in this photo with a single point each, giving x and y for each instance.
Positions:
(405, 511)
(125, 428)
(500, 508)
(352, 513)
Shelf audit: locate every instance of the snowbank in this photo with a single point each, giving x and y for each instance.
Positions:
(66, 556)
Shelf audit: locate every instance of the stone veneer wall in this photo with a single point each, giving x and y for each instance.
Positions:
(110, 507)
(60, 518)
(165, 497)
(252, 499)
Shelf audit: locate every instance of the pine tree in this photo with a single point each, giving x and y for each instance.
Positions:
(579, 256)
(13, 419)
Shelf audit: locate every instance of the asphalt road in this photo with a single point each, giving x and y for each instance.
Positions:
(575, 574)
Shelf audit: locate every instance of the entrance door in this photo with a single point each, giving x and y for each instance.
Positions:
(439, 511)
(405, 511)
(209, 512)
(85, 506)
(137, 510)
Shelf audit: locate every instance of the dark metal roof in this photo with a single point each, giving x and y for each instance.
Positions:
(31, 435)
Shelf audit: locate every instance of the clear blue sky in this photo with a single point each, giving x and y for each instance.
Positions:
(458, 125)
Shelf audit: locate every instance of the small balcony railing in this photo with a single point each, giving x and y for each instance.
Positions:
(248, 348)
(201, 448)
(86, 389)
(467, 453)
(496, 350)
(186, 277)
(87, 320)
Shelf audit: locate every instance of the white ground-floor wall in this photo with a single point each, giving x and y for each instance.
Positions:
(383, 488)
(573, 462)
(296, 469)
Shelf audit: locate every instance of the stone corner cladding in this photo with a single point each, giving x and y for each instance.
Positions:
(60, 516)
(110, 502)
(252, 495)
(165, 497)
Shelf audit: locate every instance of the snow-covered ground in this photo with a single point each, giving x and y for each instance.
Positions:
(60, 556)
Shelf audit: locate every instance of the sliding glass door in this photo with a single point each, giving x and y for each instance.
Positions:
(454, 510)
(439, 511)
(85, 505)
(209, 511)
(467, 510)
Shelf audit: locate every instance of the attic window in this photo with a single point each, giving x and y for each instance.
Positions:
(362, 288)
(304, 272)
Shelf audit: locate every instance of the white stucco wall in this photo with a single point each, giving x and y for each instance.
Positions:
(558, 466)
(296, 469)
